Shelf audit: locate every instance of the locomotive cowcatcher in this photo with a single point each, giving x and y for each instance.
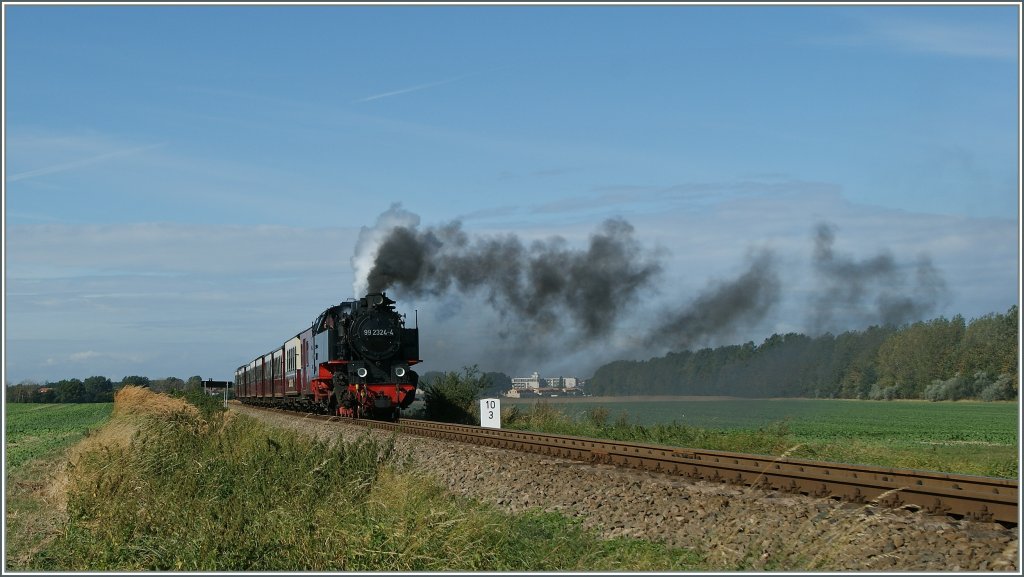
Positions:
(355, 360)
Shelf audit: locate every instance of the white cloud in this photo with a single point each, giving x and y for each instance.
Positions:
(163, 299)
(954, 39)
(926, 35)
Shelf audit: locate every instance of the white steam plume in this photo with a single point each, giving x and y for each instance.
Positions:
(370, 240)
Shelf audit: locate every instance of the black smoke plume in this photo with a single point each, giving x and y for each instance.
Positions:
(545, 287)
(875, 290)
(722, 308)
(553, 299)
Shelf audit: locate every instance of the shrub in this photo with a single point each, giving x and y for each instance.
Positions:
(597, 416)
(1004, 389)
(451, 396)
(207, 404)
(879, 392)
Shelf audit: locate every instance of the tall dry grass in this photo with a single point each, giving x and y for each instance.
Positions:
(142, 401)
(169, 489)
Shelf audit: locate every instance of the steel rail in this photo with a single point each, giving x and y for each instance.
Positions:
(968, 496)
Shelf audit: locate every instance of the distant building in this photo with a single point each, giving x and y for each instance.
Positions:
(527, 383)
(536, 383)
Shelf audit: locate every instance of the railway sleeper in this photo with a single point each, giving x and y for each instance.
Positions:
(933, 495)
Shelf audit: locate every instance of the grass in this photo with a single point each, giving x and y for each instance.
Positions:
(167, 487)
(910, 437)
(38, 436)
(36, 431)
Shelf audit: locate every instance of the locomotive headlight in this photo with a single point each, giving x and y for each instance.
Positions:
(362, 372)
(400, 372)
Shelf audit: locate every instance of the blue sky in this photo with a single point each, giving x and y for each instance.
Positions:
(185, 185)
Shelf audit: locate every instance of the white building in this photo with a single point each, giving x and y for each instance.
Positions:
(535, 382)
(562, 382)
(524, 383)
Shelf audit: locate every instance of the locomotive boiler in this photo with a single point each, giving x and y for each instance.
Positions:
(354, 360)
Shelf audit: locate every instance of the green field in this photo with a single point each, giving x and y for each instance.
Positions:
(964, 421)
(36, 431)
(964, 437)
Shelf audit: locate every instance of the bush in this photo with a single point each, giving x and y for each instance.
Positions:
(1004, 389)
(958, 387)
(597, 416)
(451, 397)
(882, 393)
(207, 404)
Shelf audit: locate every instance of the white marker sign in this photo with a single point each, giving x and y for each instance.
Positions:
(490, 413)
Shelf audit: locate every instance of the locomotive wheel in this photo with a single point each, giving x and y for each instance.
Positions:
(348, 400)
(337, 397)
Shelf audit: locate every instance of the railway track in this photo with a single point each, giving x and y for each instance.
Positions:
(965, 496)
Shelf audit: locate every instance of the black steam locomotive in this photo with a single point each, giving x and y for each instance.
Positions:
(355, 360)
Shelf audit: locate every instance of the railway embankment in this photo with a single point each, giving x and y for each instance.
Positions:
(735, 527)
(170, 485)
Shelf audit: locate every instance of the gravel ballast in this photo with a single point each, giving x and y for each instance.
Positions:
(735, 527)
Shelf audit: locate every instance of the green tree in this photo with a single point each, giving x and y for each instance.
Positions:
(99, 390)
(70, 391)
(168, 385)
(498, 383)
(1004, 389)
(989, 344)
(451, 396)
(135, 381)
(23, 392)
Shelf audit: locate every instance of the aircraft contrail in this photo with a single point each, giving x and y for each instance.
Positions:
(78, 163)
(410, 89)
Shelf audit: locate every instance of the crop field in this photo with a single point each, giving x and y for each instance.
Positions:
(967, 437)
(964, 421)
(36, 431)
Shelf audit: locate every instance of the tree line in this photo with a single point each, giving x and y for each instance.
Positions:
(939, 359)
(490, 383)
(93, 389)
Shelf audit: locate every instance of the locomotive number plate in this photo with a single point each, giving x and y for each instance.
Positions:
(378, 332)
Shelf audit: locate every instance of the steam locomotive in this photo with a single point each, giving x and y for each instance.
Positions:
(355, 361)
